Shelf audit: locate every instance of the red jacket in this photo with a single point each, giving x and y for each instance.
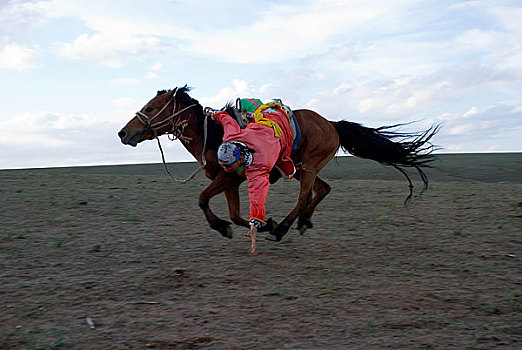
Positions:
(269, 151)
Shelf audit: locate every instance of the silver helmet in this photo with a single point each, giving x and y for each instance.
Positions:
(228, 153)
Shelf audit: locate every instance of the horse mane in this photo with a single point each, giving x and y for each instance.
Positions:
(181, 94)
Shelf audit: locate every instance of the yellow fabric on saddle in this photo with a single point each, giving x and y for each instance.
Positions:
(260, 118)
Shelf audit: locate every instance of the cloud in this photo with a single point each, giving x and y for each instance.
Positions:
(114, 37)
(239, 88)
(376, 100)
(45, 129)
(284, 32)
(157, 67)
(490, 120)
(17, 18)
(498, 44)
(412, 95)
(18, 57)
(480, 129)
(111, 49)
(124, 109)
(151, 75)
(126, 81)
(277, 32)
(49, 138)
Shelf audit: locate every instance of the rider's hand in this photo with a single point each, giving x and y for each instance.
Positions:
(209, 112)
(252, 234)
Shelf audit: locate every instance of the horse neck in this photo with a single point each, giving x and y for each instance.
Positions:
(193, 135)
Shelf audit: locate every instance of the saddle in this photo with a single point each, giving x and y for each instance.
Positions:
(243, 113)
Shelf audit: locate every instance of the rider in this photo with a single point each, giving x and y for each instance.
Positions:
(253, 152)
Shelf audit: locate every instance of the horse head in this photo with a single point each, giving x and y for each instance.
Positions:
(159, 116)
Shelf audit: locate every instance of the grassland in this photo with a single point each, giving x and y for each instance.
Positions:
(120, 257)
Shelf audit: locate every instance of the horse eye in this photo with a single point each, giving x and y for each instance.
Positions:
(148, 110)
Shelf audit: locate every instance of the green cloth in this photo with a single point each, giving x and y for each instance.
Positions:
(250, 104)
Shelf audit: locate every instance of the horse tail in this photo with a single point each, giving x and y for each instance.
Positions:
(397, 149)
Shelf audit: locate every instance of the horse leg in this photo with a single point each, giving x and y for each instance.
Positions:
(217, 186)
(232, 195)
(307, 179)
(321, 190)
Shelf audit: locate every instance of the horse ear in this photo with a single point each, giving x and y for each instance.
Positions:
(161, 92)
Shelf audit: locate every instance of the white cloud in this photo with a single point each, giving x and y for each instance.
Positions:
(472, 111)
(124, 102)
(281, 33)
(394, 100)
(277, 32)
(109, 48)
(116, 36)
(46, 128)
(490, 129)
(49, 138)
(469, 128)
(126, 81)
(481, 129)
(124, 109)
(495, 148)
(240, 88)
(18, 57)
(17, 18)
(509, 16)
(151, 75)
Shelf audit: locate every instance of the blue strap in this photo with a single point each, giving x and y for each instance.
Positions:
(297, 132)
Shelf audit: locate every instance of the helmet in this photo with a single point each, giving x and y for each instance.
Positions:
(228, 153)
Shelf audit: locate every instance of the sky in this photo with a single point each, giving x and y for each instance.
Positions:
(72, 73)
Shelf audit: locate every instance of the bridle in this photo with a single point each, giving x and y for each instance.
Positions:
(177, 127)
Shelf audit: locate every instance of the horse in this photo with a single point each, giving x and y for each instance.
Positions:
(176, 113)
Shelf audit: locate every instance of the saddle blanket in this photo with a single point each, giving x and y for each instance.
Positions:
(246, 108)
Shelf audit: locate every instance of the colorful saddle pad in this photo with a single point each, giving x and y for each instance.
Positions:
(250, 105)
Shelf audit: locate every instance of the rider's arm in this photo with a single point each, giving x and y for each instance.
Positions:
(230, 126)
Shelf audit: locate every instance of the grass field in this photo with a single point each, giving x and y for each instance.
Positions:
(120, 257)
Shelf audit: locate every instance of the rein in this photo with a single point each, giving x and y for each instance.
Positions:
(203, 158)
(177, 128)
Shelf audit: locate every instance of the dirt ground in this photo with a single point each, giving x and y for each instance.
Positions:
(115, 261)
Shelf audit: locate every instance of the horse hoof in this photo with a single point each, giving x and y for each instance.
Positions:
(273, 238)
(224, 228)
(275, 235)
(228, 233)
(303, 225)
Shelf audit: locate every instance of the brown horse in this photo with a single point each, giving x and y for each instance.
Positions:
(174, 112)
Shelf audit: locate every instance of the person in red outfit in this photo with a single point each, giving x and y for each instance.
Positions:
(253, 152)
